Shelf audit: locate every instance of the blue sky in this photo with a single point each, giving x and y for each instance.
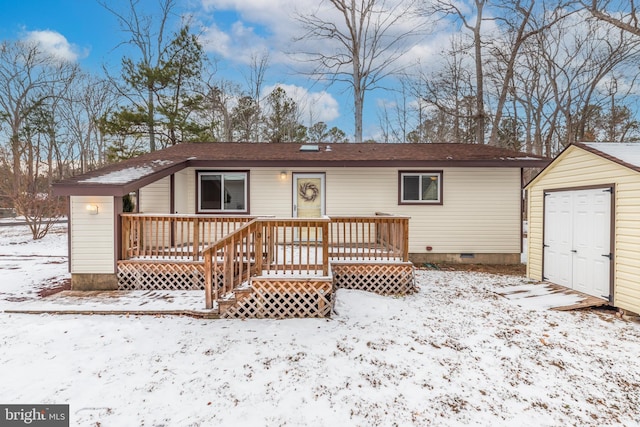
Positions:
(231, 31)
(84, 24)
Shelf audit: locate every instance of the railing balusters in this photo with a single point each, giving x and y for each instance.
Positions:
(316, 236)
(175, 237)
(235, 248)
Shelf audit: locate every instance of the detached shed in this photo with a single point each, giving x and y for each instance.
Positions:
(584, 222)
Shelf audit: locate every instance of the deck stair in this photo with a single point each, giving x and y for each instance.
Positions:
(273, 297)
(267, 267)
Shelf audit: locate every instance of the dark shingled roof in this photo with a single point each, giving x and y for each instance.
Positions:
(131, 174)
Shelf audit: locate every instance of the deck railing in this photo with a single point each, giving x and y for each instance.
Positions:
(288, 247)
(235, 248)
(369, 238)
(177, 237)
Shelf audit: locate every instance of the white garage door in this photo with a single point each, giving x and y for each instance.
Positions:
(577, 242)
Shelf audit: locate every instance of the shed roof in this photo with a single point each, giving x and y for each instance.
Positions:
(129, 175)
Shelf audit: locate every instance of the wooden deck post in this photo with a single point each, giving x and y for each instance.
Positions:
(405, 239)
(325, 248)
(270, 245)
(196, 239)
(259, 249)
(126, 236)
(140, 231)
(229, 256)
(208, 277)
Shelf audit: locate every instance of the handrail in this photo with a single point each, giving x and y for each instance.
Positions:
(235, 248)
(267, 246)
(184, 237)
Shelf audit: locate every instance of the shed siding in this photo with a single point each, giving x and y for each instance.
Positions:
(579, 168)
(92, 245)
(155, 197)
(480, 213)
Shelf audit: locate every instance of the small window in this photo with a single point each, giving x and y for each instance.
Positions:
(222, 192)
(420, 188)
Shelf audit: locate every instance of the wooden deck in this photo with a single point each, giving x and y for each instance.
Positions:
(266, 267)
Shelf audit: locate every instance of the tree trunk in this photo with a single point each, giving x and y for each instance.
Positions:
(15, 152)
(151, 122)
(477, 41)
(358, 101)
(358, 94)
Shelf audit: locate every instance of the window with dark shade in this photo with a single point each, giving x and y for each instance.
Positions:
(222, 192)
(420, 188)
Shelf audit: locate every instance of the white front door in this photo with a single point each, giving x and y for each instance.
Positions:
(577, 246)
(308, 199)
(308, 195)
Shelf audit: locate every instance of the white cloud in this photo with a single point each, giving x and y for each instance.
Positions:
(314, 106)
(217, 41)
(269, 12)
(273, 24)
(53, 43)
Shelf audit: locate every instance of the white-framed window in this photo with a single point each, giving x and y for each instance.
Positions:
(420, 187)
(223, 192)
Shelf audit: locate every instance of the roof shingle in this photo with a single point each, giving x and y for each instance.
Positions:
(133, 173)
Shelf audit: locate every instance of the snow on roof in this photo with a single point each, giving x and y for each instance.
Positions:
(625, 152)
(521, 158)
(126, 175)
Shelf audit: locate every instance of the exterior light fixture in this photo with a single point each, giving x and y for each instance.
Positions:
(92, 209)
(283, 176)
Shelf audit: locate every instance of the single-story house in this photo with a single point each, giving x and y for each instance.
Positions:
(412, 202)
(584, 222)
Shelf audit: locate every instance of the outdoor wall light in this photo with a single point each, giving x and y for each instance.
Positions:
(92, 209)
(283, 176)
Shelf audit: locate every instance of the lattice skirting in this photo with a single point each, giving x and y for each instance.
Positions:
(383, 279)
(283, 298)
(188, 276)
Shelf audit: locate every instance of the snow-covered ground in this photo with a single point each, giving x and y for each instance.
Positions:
(455, 353)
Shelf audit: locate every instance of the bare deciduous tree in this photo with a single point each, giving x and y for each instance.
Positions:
(451, 91)
(28, 78)
(523, 19)
(578, 58)
(216, 109)
(362, 46)
(471, 20)
(619, 13)
(32, 86)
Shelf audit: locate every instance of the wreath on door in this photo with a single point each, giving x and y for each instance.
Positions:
(308, 191)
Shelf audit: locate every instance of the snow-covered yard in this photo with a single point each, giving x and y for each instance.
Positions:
(455, 353)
